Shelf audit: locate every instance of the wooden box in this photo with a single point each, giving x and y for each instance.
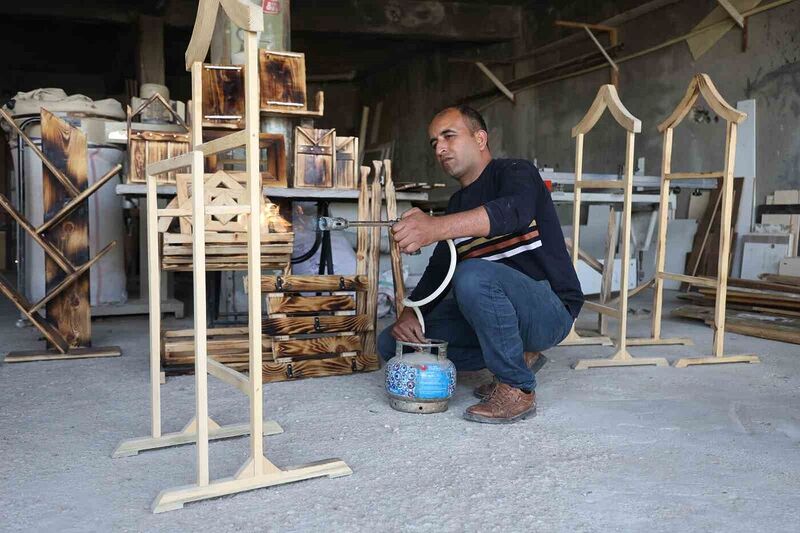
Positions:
(146, 147)
(272, 158)
(346, 172)
(314, 151)
(223, 96)
(283, 80)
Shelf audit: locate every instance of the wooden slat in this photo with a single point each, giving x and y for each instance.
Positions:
(313, 283)
(71, 278)
(373, 267)
(321, 324)
(310, 304)
(229, 376)
(394, 248)
(236, 249)
(56, 172)
(54, 253)
(223, 144)
(781, 280)
(213, 237)
(334, 366)
(600, 308)
(693, 280)
(47, 329)
(600, 184)
(693, 175)
(173, 163)
(28, 356)
(75, 202)
(320, 346)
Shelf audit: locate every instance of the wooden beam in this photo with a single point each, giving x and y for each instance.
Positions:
(494, 79)
(732, 11)
(417, 19)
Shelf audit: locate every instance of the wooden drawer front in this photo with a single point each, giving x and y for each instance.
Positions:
(316, 324)
(319, 348)
(306, 305)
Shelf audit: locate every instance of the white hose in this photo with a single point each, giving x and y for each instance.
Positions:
(432, 296)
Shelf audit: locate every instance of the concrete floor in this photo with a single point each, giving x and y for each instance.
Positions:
(713, 448)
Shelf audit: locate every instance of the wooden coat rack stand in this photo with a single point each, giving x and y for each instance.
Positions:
(64, 237)
(608, 99)
(701, 84)
(257, 471)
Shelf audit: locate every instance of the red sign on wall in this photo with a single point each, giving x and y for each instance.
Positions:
(272, 7)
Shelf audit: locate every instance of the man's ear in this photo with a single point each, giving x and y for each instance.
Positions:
(483, 139)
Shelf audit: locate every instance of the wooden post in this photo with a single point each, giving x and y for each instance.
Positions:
(394, 248)
(154, 299)
(607, 281)
(251, 89)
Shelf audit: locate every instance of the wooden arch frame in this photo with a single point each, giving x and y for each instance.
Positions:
(700, 84)
(608, 99)
(257, 471)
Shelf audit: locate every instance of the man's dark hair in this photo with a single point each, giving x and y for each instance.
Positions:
(471, 115)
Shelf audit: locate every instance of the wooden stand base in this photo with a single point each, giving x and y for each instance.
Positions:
(28, 356)
(171, 499)
(188, 435)
(621, 358)
(689, 361)
(651, 341)
(573, 339)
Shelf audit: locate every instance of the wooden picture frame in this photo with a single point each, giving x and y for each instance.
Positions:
(272, 158)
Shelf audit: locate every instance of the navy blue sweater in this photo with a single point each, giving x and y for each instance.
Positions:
(524, 232)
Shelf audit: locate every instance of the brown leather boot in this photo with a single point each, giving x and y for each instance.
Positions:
(505, 406)
(534, 360)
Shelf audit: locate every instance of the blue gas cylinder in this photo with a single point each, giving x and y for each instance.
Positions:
(421, 380)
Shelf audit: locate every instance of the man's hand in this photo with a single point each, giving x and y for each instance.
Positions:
(415, 230)
(407, 327)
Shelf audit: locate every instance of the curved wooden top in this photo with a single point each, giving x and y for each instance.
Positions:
(702, 84)
(242, 13)
(607, 98)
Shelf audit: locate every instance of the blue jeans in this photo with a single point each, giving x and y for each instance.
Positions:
(495, 315)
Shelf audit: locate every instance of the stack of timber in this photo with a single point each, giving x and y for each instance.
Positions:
(768, 309)
(315, 335)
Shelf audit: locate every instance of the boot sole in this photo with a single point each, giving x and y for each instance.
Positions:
(530, 413)
(540, 362)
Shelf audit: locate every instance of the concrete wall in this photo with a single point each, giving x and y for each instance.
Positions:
(538, 124)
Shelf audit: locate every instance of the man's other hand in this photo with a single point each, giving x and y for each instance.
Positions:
(415, 230)
(407, 327)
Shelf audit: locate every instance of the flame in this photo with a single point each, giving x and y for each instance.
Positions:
(271, 219)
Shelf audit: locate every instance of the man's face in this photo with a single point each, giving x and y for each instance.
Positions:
(456, 148)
